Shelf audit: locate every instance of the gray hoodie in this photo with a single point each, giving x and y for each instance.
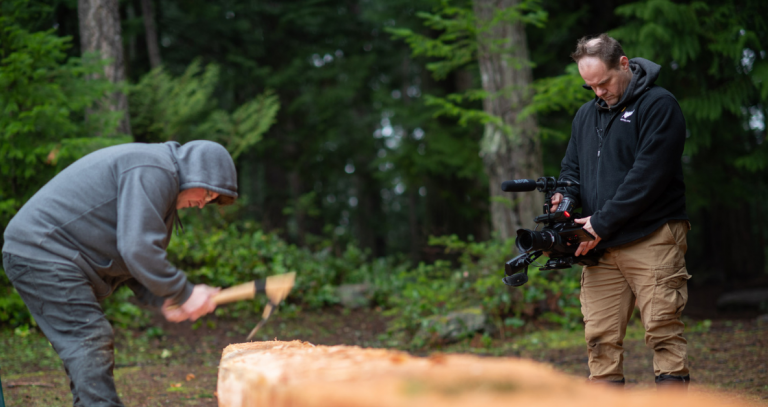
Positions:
(112, 212)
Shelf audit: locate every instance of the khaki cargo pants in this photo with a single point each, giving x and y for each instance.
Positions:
(652, 271)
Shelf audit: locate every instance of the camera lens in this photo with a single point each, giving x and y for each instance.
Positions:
(529, 240)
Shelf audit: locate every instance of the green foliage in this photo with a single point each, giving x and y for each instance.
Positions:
(245, 126)
(454, 105)
(339, 79)
(455, 46)
(717, 54)
(227, 255)
(437, 289)
(220, 254)
(13, 311)
(43, 99)
(123, 313)
(563, 93)
(165, 108)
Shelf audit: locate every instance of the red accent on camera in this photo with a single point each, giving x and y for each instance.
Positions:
(567, 215)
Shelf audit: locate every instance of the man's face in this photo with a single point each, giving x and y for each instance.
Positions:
(195, 197)
(608, 84)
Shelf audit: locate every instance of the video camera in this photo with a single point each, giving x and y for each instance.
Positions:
(560, 236)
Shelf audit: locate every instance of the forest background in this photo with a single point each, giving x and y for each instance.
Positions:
(371, 136)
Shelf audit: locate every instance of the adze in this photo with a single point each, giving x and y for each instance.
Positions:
(275, 287)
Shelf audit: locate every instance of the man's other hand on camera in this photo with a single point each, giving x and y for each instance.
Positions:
(556, 199)
(584, 247)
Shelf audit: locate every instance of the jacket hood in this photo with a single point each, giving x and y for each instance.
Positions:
(644, 74)
(205, 164)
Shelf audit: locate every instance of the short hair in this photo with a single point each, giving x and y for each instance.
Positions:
(223, 200)
(604, 47)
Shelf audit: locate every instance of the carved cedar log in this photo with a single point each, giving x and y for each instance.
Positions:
(298, 374)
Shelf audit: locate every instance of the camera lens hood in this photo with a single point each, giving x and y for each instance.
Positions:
(531, 240)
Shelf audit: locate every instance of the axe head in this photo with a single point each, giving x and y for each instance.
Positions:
(277, 287)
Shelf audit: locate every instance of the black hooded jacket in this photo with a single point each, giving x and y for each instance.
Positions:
(627, 159)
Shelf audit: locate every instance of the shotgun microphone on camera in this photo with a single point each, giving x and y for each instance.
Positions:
(522, 185)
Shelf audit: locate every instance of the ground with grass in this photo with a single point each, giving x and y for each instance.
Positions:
(176, 364)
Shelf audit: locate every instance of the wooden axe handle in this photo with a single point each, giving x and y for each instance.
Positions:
(243, 291)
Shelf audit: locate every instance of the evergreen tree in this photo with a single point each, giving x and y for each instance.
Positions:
(43, 99)
(491, 35)
(354, 154)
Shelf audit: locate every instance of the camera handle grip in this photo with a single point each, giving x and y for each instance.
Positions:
(515, 280)
(515, 277)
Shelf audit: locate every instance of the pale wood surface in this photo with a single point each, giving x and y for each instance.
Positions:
(300, 374)
(237, 293)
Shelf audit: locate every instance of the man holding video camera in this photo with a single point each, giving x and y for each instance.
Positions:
(625, 151)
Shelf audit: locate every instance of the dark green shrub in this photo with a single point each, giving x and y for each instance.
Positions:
(415, 294)
(12, 309)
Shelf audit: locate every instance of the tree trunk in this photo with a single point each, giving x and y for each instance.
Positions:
(364, 219)
(506, 76)
(413, 223)
(151, 33)
(100, 31)
(295, 184)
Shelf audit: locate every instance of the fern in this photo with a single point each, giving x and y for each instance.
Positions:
(166, 108)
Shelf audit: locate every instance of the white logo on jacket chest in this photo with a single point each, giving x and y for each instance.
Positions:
(625, 116)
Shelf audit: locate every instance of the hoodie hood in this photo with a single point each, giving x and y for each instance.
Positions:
(205, 164)
(644, 75)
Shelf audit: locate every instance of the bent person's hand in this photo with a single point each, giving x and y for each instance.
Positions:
(556, 199)
(200, 302)
(585, 247)
(173, 313)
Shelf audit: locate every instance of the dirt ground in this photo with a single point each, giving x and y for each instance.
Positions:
(176, 365)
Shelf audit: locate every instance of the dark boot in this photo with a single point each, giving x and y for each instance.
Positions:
(669, 382)
(609, 383)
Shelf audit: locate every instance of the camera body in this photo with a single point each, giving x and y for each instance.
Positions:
(559, 238)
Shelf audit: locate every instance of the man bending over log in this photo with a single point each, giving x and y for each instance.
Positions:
(104, 221)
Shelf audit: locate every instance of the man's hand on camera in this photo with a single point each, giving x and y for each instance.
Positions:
(584, 247)
(556, 199)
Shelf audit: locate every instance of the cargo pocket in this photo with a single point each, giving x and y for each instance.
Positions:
(14, 268)
(582, 296)
(670, 294)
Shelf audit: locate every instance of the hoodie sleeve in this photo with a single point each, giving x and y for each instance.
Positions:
(145, 194)
(661, 143)
(143, 294)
